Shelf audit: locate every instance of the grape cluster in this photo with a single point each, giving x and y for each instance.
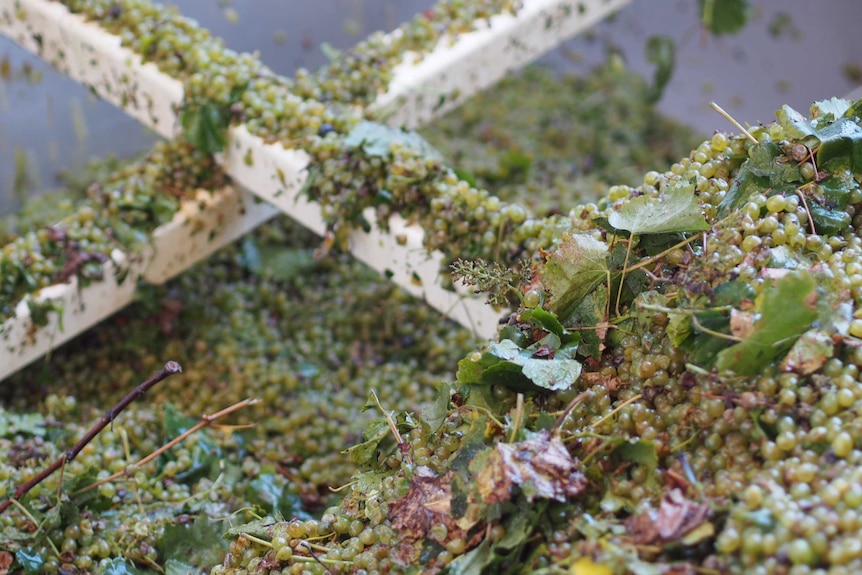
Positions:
(132, 202)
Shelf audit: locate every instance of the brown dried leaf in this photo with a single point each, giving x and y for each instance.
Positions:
(610, 382)
(5, 562)
(741, 323)
(427, 503)
(675, 517)
(541, 466)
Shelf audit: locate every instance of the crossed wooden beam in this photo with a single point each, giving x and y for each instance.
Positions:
(420, 90)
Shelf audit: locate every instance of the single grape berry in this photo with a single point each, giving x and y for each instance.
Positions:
(325, 129)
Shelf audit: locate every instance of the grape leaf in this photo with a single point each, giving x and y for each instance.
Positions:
(760, 171)
(676, 210)
(12, 424)
(838, 135)
(573, 270)
(205, 125)
(272, 493)
(474, 561)
(824, 112)
(786, 312)
(434, 413)
(555, 374)
(30, 561)
(723, 16)
(546, 364)
(121, 566)
(551, 324)
(376, 140)
(590, 315)
(177, 567)
(199, 543)
(679, 327)
(365, 453)
(661, 52)
(641, 451)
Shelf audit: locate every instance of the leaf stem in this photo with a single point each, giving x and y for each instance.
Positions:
(613, 412)
(714, 333)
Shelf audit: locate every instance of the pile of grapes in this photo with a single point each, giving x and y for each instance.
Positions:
(674, 387)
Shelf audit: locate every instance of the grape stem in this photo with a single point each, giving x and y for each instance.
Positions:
(169, 369)
(733, 121)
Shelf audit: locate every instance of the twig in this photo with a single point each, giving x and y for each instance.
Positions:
(314, 556)
(733, 121)
(204, 422)
(807, 211)
(572, 405)
(519, 414)
(394, 429)
(169, 369)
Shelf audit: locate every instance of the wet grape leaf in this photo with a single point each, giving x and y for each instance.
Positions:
(466, 176)
(365, 453)
(540, 466)
(378, 436)
(205, 125)
(271, 492)
(475, 561)
(206, 452)
(679, 327)
(734, 293)
(283, 264)
(120, 566)
(723, 16)
(557, 373)
(546, 364)
(12, 424)
(572, 271)
(30, 561)
(549, 322)
(590, 316)
(434, 413)
(760, 171)
(275, 262)
(838, 136)
(177, 567)
(661, 52)
(199, 543)
(376, 140)
(640, 451)
(675, 210)
(826, 111)
(786, 311)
